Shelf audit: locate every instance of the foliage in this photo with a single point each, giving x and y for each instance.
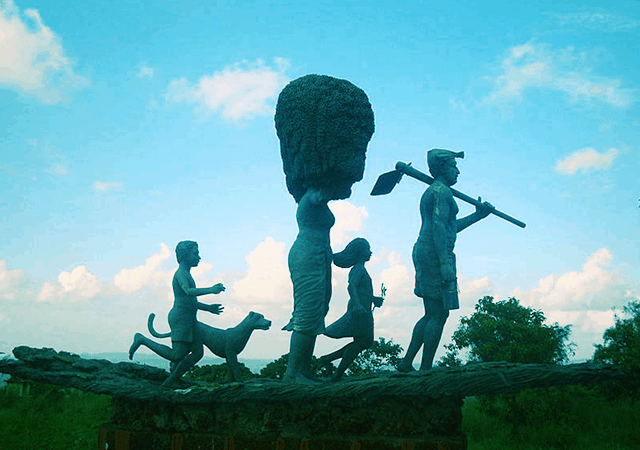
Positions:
(508, 331)
(622, 347)
(51, 418)
(276, 369)
(568, 418)
(382, 355)
(217, 373)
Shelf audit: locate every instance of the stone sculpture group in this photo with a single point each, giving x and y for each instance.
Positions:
(324, 125)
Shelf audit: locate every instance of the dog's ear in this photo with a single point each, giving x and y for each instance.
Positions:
(251, 313)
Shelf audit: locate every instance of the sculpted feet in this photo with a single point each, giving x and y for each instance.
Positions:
(405, 367)
(137, 341)
(298, 379)
(337, 377)
(326, 363)
(177, 383)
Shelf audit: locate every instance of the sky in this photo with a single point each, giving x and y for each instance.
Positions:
(126, 127)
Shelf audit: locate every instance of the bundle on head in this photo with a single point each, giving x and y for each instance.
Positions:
(324, 125)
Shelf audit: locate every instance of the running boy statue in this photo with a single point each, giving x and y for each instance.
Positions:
(187, 347)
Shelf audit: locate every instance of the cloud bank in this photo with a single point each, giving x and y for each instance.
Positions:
(240, 91)
(538, 66)
(586, 160)
(32, 59)
(107, 313)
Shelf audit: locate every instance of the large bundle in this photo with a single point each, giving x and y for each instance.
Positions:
(324, 125)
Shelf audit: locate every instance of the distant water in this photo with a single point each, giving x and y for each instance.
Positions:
(254, 365)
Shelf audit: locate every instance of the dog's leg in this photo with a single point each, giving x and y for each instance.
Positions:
(232, 367)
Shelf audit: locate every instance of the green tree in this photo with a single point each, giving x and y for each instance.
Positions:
(276, 369)
(508, 331)
(382, 355)
(621, 347)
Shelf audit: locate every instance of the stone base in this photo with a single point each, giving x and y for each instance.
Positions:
(349, 423)
(112, 438)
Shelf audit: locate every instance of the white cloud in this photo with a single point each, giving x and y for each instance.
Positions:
(595, 288)
(585, 160)
(132, 280)
(239, 91)
(598, 19)
(145, 71)
(537, 66)
(583, 299)
(471, 290)
(349, 218)
(11, 281)
(267, 279)
(81, 281)
(58, 169)
(105, 186)
(32, 59)
(78, 285)
(397, 278)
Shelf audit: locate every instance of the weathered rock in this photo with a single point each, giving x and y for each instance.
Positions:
(140, 382)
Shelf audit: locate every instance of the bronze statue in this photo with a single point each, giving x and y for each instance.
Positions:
(186, 343)
(357, 322)
(433, 257)
(324, 125)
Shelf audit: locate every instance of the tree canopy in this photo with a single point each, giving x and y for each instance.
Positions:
(508, 331)
(621, 347)
(382, 355)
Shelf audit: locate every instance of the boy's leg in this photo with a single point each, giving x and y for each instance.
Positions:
(190, 360)
(176, 353)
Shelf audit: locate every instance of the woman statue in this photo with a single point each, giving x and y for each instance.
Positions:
(310, 268)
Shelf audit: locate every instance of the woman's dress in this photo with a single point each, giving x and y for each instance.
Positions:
(309, 261)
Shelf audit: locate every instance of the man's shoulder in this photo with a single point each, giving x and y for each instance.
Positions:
(438, 190)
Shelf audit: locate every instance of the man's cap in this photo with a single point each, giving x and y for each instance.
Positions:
(437, 155)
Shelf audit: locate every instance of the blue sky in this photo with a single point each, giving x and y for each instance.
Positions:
(129, 126)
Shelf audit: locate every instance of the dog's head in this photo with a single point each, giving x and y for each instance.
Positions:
(259, 322)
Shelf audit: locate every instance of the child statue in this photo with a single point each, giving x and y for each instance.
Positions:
(186, 345)
(357, 322)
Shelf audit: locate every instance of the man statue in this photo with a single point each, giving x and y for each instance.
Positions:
(433, 257)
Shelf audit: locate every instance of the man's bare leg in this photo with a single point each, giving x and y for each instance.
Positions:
(432, 330)
(417, 339)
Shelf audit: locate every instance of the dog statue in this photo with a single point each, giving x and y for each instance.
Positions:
(224, 343)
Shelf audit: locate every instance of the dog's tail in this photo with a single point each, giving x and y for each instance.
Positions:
(152, 330)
